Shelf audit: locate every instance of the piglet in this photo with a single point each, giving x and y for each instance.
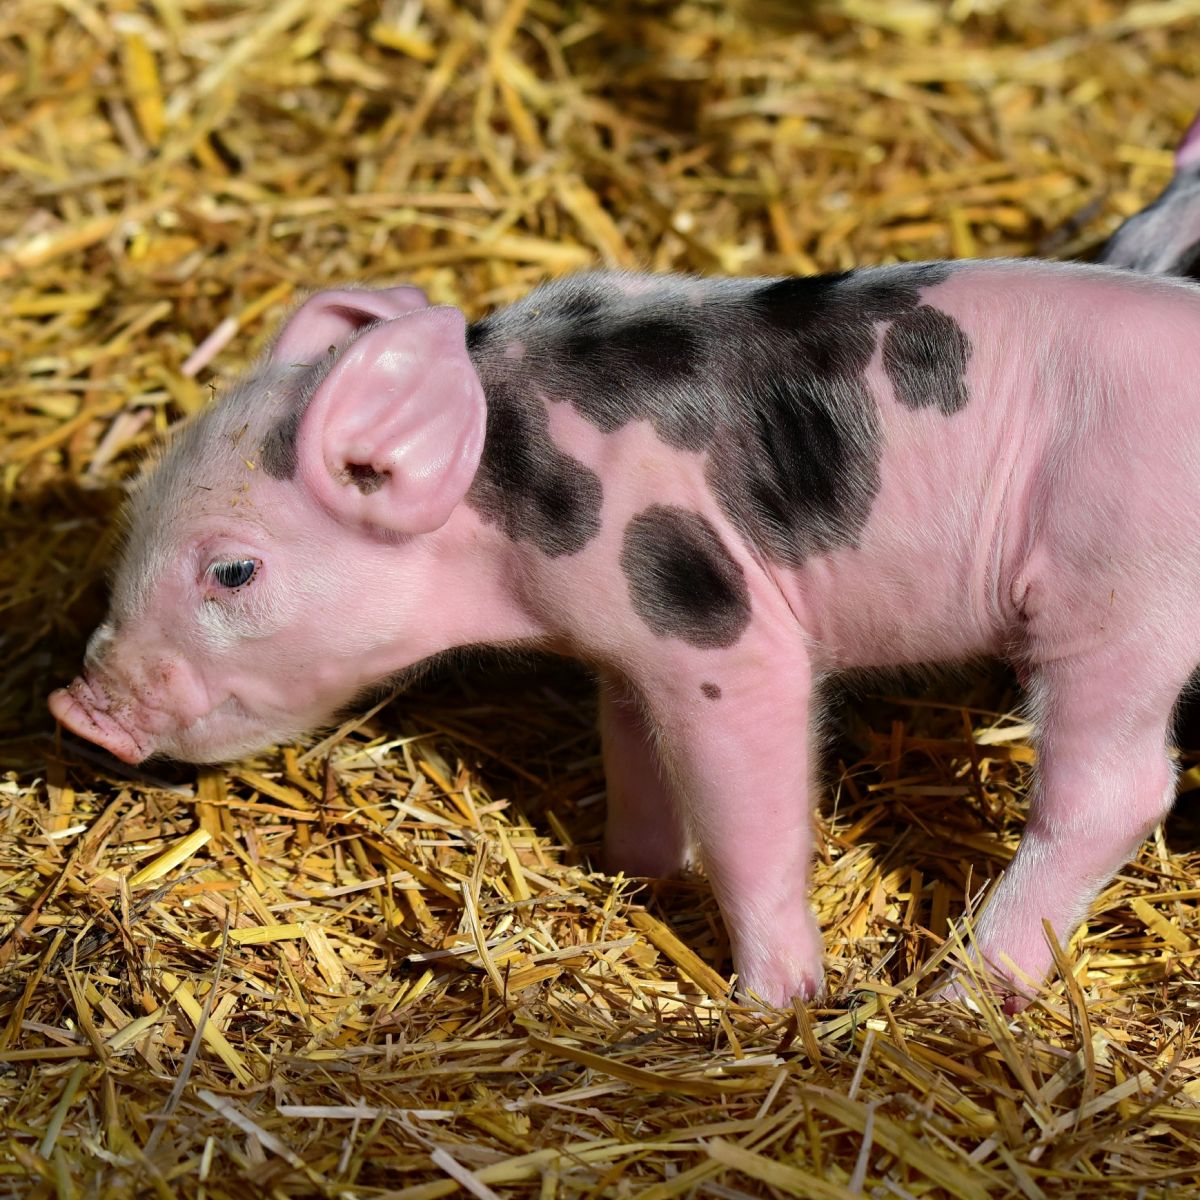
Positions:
(1164, 237)
(716, 492)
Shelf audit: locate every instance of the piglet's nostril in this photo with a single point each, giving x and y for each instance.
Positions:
(98, 645)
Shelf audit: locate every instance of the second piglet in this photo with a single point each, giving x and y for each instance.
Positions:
(715, 492)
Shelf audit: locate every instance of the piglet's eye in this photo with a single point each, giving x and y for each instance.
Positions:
(234, 574)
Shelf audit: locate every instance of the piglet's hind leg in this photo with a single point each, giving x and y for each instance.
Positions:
(1104, 782)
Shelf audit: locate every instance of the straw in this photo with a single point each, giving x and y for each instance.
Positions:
(381, 962)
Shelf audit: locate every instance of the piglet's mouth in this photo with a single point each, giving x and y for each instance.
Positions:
(83, 710)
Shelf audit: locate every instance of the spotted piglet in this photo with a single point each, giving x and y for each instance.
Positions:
(716, 493)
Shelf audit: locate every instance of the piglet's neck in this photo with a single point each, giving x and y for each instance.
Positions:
(475, 576)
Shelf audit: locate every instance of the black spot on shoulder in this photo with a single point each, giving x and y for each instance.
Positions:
(683, 582)
(613, 351)
(616, 372)
(711, 690)
(526, 484)
(925, 355)
(803, 474)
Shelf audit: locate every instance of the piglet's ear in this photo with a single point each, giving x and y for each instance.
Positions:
(392, 436)
(327, 319)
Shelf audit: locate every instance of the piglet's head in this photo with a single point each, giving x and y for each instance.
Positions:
(277, 559)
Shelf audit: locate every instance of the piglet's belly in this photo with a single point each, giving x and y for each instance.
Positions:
(856, 617)
(930, 577)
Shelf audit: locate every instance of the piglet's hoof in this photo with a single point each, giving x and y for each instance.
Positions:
(777, 991)
(774, 980)
(790, 965)
(958, 988)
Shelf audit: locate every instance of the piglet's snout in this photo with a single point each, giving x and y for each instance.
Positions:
(128, 708)
(86, 711)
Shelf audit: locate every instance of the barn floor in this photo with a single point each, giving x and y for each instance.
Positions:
(381, 963)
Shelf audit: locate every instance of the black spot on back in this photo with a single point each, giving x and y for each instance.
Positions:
(583, 303)
(925, 355)
(711, 690)
(526, 485)
(798, 471)
(767, 379)
(790, 304)
(657, 347)
(813, 306)
(683, 582)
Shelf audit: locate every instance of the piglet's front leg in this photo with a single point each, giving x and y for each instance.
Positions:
(644, 833)
(733, 734)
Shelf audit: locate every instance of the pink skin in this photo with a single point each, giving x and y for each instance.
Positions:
(214, 672)
(995, 530)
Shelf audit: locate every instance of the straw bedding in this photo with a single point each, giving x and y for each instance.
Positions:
(380, 963)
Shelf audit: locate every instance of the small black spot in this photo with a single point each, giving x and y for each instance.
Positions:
(711, 690)
(925, 355)
(683, 582)
(277, 455)
(526, 484)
